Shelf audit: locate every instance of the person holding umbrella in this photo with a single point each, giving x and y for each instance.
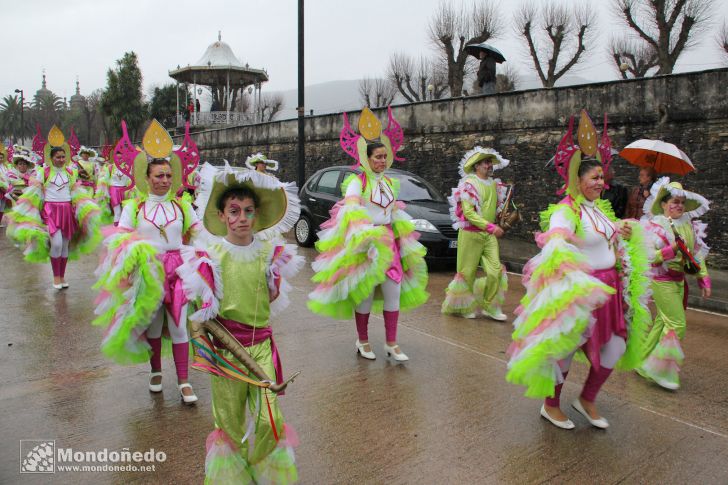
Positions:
(653, 157)
(488, 57)
(679, 250)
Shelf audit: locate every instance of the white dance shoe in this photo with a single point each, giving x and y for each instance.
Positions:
(495, 314)
(568, 424)
(364, 353)
(391, 352)
(155, 387)
(600, 423)
(470, 315)
(187, 399)
(64, 285)
(57, 287)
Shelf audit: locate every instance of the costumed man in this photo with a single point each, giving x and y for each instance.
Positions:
(86, 165)
(236, 207)
(370, 242)
(670, 217)
(150, 274)
(587, 289)
(260, 163)
(474, 206)
(55, 218)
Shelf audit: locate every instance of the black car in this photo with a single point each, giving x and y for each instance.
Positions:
(428, 208)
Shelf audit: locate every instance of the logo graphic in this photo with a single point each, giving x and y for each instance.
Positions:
(37, 456)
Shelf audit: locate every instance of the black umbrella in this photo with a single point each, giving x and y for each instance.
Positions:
(475, 49)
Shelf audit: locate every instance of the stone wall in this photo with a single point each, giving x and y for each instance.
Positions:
(690, 110)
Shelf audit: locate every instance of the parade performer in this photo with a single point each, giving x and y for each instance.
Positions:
(6, 188)
(370, 241)
(587, 288)
(670, 217)
(236, 205)
(142, 288)
(55, 217)
(260, 163)
(18, 175)
(474, 205)
(86, 164)
(119, 184)
(22, 170)
(103, 188)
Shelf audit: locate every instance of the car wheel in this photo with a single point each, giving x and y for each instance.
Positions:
(304, 232)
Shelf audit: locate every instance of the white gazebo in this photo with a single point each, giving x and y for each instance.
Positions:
(226, 77)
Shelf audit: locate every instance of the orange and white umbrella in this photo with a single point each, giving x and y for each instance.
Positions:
(662, 156)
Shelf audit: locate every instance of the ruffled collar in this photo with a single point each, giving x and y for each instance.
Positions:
(245, 254)
(487, 182)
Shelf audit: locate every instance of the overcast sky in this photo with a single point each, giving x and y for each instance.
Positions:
(345, 39)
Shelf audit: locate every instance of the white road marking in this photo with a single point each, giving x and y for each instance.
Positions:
(492, 357)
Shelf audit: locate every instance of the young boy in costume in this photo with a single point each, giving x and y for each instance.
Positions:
(237, 206)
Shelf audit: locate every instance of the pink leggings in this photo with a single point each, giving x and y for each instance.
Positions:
(179, 351)
(390, 325)
(610, 353)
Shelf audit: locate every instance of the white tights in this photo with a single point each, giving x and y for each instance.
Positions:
(390, 292)
(178, 334)
(117, 213)
(609, 354)
(59, 245)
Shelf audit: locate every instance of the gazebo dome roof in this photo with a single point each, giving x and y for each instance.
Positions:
(219, 54)
(219, 66)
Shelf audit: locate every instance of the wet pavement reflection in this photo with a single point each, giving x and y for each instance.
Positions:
(447, 416)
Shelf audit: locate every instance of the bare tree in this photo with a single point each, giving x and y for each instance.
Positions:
(270, 106)
(507, 80)
(452, 28)
(417, 80)
(556, 37)
(669, 26)
(722, 40)
(633, 58)
(376, 92)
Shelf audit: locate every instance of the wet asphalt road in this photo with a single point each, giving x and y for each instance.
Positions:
(447, 416)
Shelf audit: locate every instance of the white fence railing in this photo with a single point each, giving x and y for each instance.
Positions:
(217, 118)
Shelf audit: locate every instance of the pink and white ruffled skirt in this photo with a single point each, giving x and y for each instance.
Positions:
(59, 216)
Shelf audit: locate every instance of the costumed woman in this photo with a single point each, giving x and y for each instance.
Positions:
(370, 242)
(586, 290)
(670, 218)
(6, 188)
(55, 217)
(261, 164)
(474, 205)
(236, 207)
(22, 170)
(142, 290)
(118, 185)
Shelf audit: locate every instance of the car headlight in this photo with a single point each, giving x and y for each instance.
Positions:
(423, 225)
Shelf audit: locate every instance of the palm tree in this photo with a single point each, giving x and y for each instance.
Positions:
(10, 118)
(47, 109)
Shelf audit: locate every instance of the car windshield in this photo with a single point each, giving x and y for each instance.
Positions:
(415, 189)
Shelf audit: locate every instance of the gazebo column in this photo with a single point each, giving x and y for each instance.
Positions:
(176, 95)
(227, 98)
(194, 94)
